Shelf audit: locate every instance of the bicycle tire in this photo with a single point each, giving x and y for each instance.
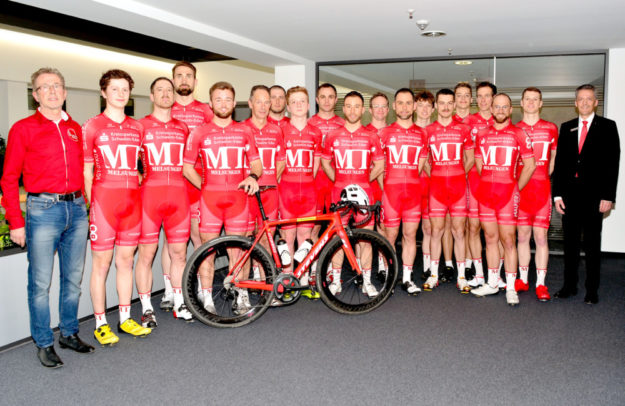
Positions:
(351, 299)
(228, 313)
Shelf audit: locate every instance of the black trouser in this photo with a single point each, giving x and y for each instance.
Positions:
(582, 215)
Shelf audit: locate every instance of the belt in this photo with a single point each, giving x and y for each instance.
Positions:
(65, 198)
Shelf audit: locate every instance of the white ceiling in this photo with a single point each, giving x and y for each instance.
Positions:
(278, 32)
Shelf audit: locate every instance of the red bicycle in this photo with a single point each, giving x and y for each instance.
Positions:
(244, 277)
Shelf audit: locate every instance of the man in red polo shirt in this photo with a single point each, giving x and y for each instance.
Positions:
(46, 148)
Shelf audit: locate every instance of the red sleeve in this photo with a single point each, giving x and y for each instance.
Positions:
(318, 136)
(250, 148)
(193, 146)
(327, 149)
(525, 144)
(478, 150)
(88, 138)
(424, 140)
(13, 165)
(376, 148)
(553, 131)
(280, 148)
(468, 142)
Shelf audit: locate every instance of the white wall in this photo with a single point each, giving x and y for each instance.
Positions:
(613, 238)
(242, 75)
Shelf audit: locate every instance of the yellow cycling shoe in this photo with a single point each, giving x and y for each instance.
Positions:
(133, 328)
(311, 294)
(105, 336)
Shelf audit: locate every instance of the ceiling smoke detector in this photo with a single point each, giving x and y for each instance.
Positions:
(422, 24)
(433, 33)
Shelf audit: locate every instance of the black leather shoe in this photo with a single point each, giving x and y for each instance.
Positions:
(591, 298)
(426, 274)
(565, 293)
(48, 358)
(74, 342)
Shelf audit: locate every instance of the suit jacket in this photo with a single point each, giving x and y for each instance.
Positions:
(596, 166)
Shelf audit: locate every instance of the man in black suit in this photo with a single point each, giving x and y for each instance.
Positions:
(584, 188)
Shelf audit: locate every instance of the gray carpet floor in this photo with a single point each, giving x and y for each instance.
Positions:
(440, 348)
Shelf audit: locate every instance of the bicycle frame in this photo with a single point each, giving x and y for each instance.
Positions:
(334, 228)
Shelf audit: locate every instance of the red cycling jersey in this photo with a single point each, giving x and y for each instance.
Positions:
(352, 154)
(114, 149)
(280, 123)
(270, 144)
(544, 136)
(459, 119)
(162, 150)
(536, 195)
(402, 149)
(325, 126)
(115, 213)
(193, 114)
(375, 185)
(446, 145)
(499, 151)
(301, 147)
(323, 185)
(225, 154)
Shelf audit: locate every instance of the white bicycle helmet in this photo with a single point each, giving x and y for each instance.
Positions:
(356, 194)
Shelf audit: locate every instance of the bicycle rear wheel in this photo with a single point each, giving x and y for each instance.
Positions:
(349, 295)
(231, 306)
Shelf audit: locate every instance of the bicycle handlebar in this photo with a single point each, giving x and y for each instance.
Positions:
(344, 206)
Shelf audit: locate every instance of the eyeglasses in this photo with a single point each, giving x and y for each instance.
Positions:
(46, 88)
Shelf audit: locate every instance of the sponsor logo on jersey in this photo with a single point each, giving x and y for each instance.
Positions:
(72, 135)
(149, 136)
(104, 138)
(207, 142)
(393, 139)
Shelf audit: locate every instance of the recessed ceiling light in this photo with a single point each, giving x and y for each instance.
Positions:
(463, 63)
(433, 33)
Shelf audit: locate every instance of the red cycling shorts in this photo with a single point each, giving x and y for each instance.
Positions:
(502, 208)
(323, 187)
(297, 200)
(535, 204)
(114, 218)
(425, 197)
(401, 202)
(448, 194)
(472, 185)
(166, 205)
(269, 198)
(223, 208)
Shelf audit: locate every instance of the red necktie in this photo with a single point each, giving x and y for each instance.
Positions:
(583, 135)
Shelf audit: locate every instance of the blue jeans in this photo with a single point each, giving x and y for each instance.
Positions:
(53, 226)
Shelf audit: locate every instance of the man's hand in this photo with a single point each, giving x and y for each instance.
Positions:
(18, 236)
(605, 206)
(560, 206)
(249, 185)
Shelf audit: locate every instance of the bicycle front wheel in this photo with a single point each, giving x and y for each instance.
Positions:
(345, 291)
(221, 303)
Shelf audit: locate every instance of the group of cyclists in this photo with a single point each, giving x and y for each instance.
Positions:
(456, 176)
